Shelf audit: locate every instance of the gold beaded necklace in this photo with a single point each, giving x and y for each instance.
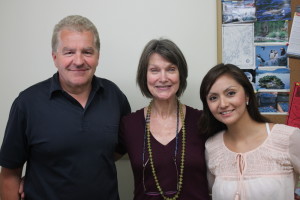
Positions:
(147, 132)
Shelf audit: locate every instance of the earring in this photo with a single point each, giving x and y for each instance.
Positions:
(247, 103)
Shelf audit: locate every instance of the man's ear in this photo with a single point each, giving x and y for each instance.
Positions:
(54, 57)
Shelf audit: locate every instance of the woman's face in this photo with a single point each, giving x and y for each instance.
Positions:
(162, 78)
(227, 100)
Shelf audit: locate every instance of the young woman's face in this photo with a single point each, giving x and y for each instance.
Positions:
(227, 100)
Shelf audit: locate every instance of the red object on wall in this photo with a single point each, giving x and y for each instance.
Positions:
(293, 118)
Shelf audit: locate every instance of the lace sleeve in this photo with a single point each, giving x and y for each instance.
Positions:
(210, 176)
(294, 149)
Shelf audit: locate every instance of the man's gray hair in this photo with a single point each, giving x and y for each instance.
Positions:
(75, 23)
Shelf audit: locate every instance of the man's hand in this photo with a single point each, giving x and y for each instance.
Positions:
(21, 189)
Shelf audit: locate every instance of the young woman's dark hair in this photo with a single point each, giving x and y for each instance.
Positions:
(208, 123)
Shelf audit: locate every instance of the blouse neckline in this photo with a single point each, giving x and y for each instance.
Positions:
(269, 132)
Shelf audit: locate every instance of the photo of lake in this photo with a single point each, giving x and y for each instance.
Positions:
(275, 79)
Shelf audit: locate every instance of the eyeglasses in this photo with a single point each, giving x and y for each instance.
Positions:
(157, 193)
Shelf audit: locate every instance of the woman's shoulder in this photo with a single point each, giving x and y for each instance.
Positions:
(193, 111)
(215, 140)
(282, 135)
(214, 143)
(192, 116)
(284, 129)
(138, 114)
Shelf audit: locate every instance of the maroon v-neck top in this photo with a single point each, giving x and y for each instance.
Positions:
(131, 140)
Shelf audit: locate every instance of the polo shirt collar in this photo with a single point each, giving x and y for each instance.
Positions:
(55, 84)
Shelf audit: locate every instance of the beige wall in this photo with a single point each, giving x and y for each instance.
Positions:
(125, 26)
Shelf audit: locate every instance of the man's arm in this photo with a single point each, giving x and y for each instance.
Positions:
(9, 183)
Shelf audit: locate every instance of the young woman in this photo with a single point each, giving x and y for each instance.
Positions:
(247, 157)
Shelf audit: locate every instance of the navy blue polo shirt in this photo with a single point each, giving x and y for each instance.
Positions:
(68, 149)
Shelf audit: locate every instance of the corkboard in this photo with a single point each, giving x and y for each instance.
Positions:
(294, 63)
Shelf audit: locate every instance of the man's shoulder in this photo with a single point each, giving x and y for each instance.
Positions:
(109, 87)
(112, 92)
(36, 89)
(105, 83)
(29, 97)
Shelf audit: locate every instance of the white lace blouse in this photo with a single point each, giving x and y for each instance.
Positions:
(268, 172)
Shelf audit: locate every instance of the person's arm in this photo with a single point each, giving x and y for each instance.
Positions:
(9, 183)
(294, 150)
(117, 156)
(210, 176)
(120, 148)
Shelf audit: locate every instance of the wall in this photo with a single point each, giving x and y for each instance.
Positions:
(124, 27)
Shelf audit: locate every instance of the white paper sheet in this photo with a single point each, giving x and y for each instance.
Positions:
(294, 41)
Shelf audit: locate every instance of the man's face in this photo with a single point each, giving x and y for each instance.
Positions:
(76, 59)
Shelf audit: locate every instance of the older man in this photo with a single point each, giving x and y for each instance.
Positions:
(65, 128)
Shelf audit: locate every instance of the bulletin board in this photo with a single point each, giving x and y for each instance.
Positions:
(293, 63)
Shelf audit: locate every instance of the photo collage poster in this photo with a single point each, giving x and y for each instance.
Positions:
(255, 38)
